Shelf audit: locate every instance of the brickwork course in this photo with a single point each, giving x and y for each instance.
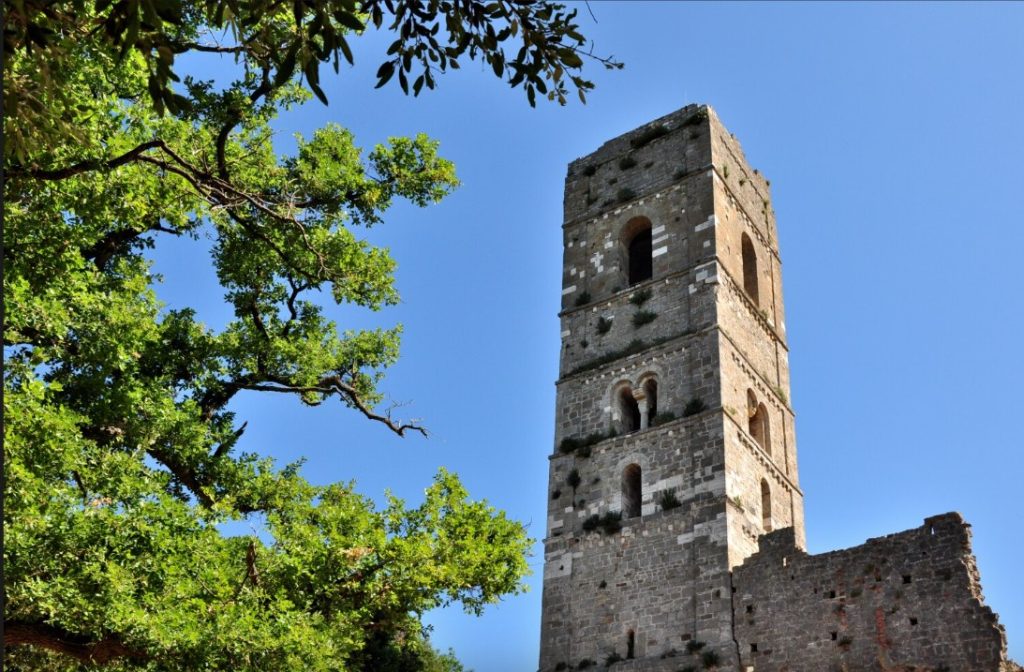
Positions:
(675, 530)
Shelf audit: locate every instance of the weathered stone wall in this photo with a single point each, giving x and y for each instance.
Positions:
(907, 601)
(664, 575)
(685, 368)
(689, 579)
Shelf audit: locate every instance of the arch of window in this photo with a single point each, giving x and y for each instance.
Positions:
(757, 422)
(629, 410)
(631, 491)
(766, 506)
(749, 268)
(639, 252)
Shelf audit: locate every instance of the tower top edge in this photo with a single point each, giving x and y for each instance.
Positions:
(627, 141)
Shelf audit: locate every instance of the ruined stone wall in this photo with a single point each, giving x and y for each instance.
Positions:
(907, 601)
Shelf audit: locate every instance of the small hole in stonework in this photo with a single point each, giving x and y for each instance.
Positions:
(717, 593)
(906, 578)
(931, 529)
(831, 594)
(753, 648)
(913, 621)
(835, 635)
(750, 608)
(785, 562)
(561, 567)
(734, 589)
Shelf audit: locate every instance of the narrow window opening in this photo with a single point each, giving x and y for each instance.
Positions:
(757, 422)
(641, 263)
(631, 491)
(835, 635)
(766, 507)
(630, 644)
(753, 648)
(907, 578)
(750, 608)
(749, 269)
(831, 594)
(651, 392)
(913, 621)
(630, 410)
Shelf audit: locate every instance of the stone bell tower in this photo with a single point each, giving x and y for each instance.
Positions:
(674, 443)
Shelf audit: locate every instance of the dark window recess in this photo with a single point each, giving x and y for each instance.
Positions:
(835, 635)
(750, 608)
(641, 266)
(753, 648)
(651, 392)
(766, 508)
(913, 621)
(630, 410)
(631, 491)
(630, 644)
(906, 578)
(749, 268)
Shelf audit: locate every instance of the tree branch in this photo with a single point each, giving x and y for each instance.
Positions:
(185, 474)
(101, 251)
(85, 166)
(335, 385)
(80, 647)
(263, 89)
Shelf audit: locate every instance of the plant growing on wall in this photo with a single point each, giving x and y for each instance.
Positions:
(640, 297)
(642, 317)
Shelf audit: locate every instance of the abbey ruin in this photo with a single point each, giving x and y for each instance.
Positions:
(675, 530)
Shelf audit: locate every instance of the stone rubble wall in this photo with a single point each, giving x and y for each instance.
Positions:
(905, 602)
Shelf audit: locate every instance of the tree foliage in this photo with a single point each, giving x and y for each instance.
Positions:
(122, 451)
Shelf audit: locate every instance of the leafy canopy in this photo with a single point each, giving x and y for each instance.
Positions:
(122, 452)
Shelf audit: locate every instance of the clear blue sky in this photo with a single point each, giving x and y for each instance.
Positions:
(892, 135)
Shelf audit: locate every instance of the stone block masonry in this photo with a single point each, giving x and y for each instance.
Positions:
(674, 453)
(905, 602)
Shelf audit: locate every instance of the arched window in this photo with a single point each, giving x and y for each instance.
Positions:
(631, 491)
(629, 410)
(749, 268)
(757, 423)
(651, 394)
(766, 506)
(639, 262)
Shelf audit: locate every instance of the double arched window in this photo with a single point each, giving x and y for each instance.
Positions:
(635, 407)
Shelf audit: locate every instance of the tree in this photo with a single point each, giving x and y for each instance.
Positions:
(122, 453)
